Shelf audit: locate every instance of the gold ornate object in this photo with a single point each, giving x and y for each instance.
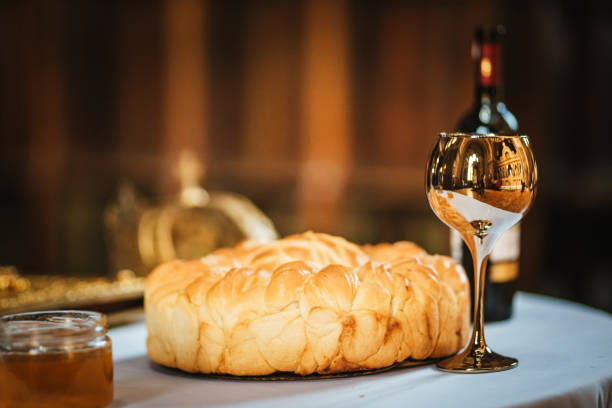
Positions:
(480, 185)
(11, 282)
(46, 292)
(142, 235)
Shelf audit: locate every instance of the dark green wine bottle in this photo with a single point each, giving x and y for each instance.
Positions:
(489, 114)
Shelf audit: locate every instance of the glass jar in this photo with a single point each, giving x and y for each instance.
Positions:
(55, 359)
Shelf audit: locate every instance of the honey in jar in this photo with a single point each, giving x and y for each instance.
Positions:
(55, 359)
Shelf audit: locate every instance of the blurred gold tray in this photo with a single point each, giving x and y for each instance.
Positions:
(23, 293)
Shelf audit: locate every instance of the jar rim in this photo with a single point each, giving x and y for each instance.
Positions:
(51, 331)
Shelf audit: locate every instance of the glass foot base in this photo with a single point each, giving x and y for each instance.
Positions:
(477, 361)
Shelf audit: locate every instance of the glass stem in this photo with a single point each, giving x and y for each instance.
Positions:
(477, 341)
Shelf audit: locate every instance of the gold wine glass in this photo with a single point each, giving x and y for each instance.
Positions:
(480, 185)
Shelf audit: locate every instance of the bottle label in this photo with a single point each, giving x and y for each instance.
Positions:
(508, 246)
(456, 246)
(504, 272)
(490, 57)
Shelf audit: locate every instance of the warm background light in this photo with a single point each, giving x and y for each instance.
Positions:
(321, 112)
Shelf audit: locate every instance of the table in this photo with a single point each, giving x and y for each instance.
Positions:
(564, 351)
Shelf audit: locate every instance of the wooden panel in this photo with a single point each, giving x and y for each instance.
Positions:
(402, 84)
(326, 144)
(48, 145)
(185, 86)
(139, 85)
(271, 92)
(226, 47)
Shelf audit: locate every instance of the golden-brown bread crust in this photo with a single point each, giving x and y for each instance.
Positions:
(308, 303)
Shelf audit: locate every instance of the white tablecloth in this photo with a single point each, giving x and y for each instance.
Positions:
(564, 352)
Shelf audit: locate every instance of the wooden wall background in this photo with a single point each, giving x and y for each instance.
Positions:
(322, 112)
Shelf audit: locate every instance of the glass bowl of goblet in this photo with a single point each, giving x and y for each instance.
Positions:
(480, 185)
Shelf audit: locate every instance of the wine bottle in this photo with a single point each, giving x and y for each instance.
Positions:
(489, 114)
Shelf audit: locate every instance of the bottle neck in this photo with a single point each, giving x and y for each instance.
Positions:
(489, 86)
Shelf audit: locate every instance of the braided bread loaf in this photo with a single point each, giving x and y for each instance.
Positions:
(304, 304)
